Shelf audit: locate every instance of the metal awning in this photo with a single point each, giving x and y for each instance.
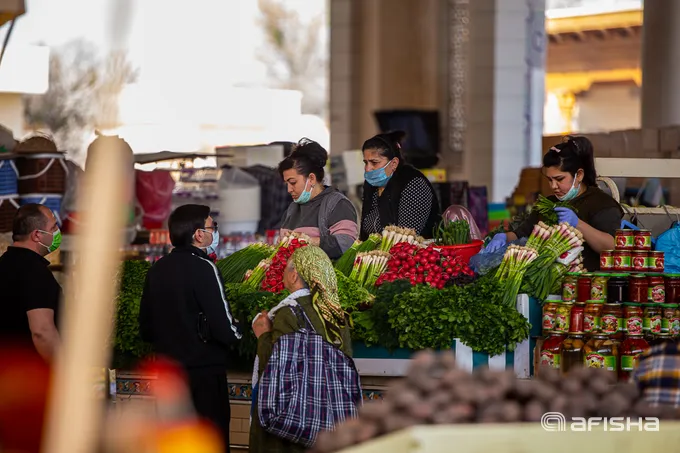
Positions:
(163, 156)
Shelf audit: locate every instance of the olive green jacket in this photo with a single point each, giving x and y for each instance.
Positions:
(285, 322)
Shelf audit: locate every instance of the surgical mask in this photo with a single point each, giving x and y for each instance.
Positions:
(305, 196)
(56, 240)
(573, 192)
(212, 248)
(377, 177)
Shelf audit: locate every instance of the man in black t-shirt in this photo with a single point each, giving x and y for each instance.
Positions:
(29, 305)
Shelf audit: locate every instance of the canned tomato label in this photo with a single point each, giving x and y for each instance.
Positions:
(656, 262)
(625, 239)
(622, 260)
(643, 240)
(606, 261)
(639, 261)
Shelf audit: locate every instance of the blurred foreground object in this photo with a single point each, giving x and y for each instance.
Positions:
(171, 426)
(10, 10)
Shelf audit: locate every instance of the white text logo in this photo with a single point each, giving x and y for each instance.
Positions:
(556, 421)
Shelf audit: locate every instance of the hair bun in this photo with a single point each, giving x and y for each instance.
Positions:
(311, 150)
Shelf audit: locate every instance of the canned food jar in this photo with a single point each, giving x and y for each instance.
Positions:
(639, 260)
(651, 321)
(598, 287)
(667, 315)
(612, 320)
(572, 352)
(631, 350)
(672, 286)
(549, 310)
(569, 287)
(622, 260)
(633, 316)
(638, 289)
(617, 288)
(577, 315)
(625, 240)
(601, 352)
(583, 290)
(607, 261)
(562, 317)
(592, 317)
(657, 289)
(551, 351)
(656, 261)
(643, 240)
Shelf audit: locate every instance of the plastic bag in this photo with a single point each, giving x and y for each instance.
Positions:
(154, 194)
(669, 243)
(485, 261)
(458, 212)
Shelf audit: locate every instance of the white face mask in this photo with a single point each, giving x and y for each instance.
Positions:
(212, 248)
(573, 192)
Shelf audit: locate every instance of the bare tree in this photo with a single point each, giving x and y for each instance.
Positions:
(294, 54)
(82, 95)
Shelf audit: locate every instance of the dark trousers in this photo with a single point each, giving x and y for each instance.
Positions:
(210, 394)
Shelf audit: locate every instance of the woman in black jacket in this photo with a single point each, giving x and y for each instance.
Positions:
(395, 193)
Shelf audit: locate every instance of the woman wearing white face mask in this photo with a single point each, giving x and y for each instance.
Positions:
(395, 193)
(321, 212)
(570, 168)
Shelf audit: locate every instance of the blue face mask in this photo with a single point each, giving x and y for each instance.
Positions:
(573, 192)
(212, 248)
(378, 177)
(305, 196)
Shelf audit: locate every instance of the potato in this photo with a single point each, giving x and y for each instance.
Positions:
(325, 443)
(544, 391)
(523, 389)
(375, 410)
(454, 377)
(599, 385)
(613, 404)
(630, 391)
(558, 404)
(447, 359)
(534, 410)
(571, 386)
(421, 411)
(490, 413)
(440, 399)
(396, 422)
(512, 412)
(367, 432)
(405, 399)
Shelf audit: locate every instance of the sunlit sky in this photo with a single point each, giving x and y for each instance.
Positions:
(214, 41)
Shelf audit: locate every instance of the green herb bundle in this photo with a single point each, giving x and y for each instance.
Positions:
(345, 263)
(452, 233)
(235, 266)
(546, 208)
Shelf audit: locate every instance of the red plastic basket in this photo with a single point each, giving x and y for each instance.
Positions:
(466, 251)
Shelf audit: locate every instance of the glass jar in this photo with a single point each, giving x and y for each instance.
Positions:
(651, 321)
(625, 240)
(598, 287)
(592, 318)
(607, 261)
(660, 338)
(643, 240)
(674, 328)
(617, 288)
(562, 317)
(630, 351)
(656, 261)
(633, 316)
(657, 289)
(639, 259)
(672, 286)
(622, 260)
(551, 351)
(549, 310)
(612, 320)
(572, 351)
(569, 287)
(668, 312)
(638, 289)
(583, 290)
(601, 352)
(577, 315)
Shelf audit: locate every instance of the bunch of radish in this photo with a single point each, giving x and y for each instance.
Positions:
(423, 265)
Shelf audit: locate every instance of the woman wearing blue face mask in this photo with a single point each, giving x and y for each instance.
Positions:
(395, 193)
(570, 169)
(321, 212)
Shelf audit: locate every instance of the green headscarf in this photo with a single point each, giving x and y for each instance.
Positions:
(316, 269)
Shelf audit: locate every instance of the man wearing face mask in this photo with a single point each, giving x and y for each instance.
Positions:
(185, 316)
(30, 304)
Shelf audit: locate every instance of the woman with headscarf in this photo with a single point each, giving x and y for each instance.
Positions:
(311, 281)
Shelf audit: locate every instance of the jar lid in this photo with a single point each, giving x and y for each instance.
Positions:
(635, 335)
(663, 334)
(612, 305)
(640, 251)
(669, 305)
(640, 276)
(624, 230)
(632, 304)
(576, 333)
(586, 275)
(580, 304)
(618, 275)
(599, 274)
(552, 301)
(606, 251)
(573, 274)
(672, 275)
(644, 231)
(594, 301)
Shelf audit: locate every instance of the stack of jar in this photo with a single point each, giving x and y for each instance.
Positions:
(633, 253)
(608, 320)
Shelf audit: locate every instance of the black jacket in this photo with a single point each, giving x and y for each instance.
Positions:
(179, 287)
(391, 200)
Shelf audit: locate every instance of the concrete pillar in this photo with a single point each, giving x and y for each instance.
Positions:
(661, 64)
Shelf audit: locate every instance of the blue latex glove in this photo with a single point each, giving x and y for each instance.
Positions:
(567, 215)
(496, 243)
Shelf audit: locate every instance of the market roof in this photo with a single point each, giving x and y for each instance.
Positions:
(149, 158)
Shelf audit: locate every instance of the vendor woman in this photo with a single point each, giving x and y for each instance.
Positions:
(321, 212)
(570, 169)
(395, 193)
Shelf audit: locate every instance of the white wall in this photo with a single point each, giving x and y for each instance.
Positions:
(608, 108)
